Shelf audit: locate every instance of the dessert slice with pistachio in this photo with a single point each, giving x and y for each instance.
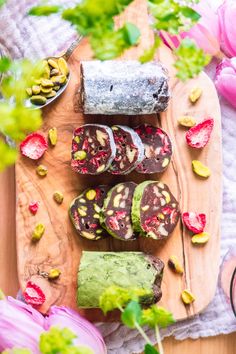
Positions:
(84, 212)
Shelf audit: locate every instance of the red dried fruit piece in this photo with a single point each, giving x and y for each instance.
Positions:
(194, 222)
(33, 294)
(33, 207)
(199, 135)
(34, 146)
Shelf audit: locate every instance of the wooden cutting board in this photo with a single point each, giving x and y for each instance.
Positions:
(61, 247)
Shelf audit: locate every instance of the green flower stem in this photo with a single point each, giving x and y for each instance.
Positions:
(143, 334)
(159, 343)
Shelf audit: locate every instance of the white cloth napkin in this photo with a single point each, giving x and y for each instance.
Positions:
(34, 37)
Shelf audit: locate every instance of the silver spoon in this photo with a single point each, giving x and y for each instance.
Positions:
(66, 56)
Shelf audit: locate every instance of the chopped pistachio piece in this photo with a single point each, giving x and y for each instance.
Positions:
(80, 155)
(38, 232)
(58, 197)
(201, 238)
(42, 170)
(187, 121)
(195, 94)
(90, 194)
(187, 297)
(52, 135)
(200, 169)
(54, 274)
(175, 265)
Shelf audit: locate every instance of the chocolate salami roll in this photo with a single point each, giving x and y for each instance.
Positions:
(123, 87)
(84, 212)
(157, 149)
(155, 210)
(115, 215)
(93, 149)
(129, 150)
(99, 270)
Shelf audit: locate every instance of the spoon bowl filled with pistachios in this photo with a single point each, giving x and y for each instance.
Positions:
(53, 81)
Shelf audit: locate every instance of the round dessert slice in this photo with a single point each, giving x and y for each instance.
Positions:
(157, 149)
(155, 210)
(93, 149)
(84, 212)
(129, 150)
(115, 215)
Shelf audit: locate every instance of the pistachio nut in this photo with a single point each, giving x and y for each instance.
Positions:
(38, 100)
(38, 232)
(91, 194)
(200, 169)
(58, 197)
(175, 265)
(63, 66)
(42, 170)
(195, 94)
(52, 135)
(187, 297)
(187, 121)
(54, 274)
(201, 238)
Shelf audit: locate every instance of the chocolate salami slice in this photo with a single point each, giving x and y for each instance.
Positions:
(129, 150)
(93, 149)
(84, 212)
(155, 210)
(99, 270)
(115, 216)
(157, 149)
(123, 87)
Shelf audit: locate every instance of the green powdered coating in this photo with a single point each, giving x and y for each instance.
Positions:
(136, 206)
(99, 270)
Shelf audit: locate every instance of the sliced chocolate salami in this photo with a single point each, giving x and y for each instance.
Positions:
(115, 215)
(100, 270)
(93, 149)
(123, 87)
(129, 150)
(84, 212)
(155, 210)
(157, 149)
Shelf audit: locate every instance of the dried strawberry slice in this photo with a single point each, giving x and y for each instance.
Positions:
(199, 135)
(194, 222)
(33, 294)
(33, 207)
(34, 146)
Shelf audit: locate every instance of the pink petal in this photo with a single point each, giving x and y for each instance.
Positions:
(227, 13)
(19, 325)
(87, 333)
(226, 85)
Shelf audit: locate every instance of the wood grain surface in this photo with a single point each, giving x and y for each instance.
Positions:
(9, 282)
(61, 247)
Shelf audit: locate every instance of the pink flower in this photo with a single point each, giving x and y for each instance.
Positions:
(227, 16)
(20, 325)
(226, 80)
(87, 333)
(206, 32)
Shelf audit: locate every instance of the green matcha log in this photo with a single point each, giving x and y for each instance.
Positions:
(99, 270)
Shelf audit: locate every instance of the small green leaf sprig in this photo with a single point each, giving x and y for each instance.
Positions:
(16, 119)
(134, 316)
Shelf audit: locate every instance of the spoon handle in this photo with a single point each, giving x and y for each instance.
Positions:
(71, 48)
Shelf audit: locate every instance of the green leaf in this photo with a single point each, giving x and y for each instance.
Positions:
(17, 351)
(5, 64)
(150, 349)
(8, 155)
(190, 60)
(115, 297)
(2, 2)
(44, 10)
(149, 54)
(132, 314)
(157, 316)
(190, 13)
(132, 33)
